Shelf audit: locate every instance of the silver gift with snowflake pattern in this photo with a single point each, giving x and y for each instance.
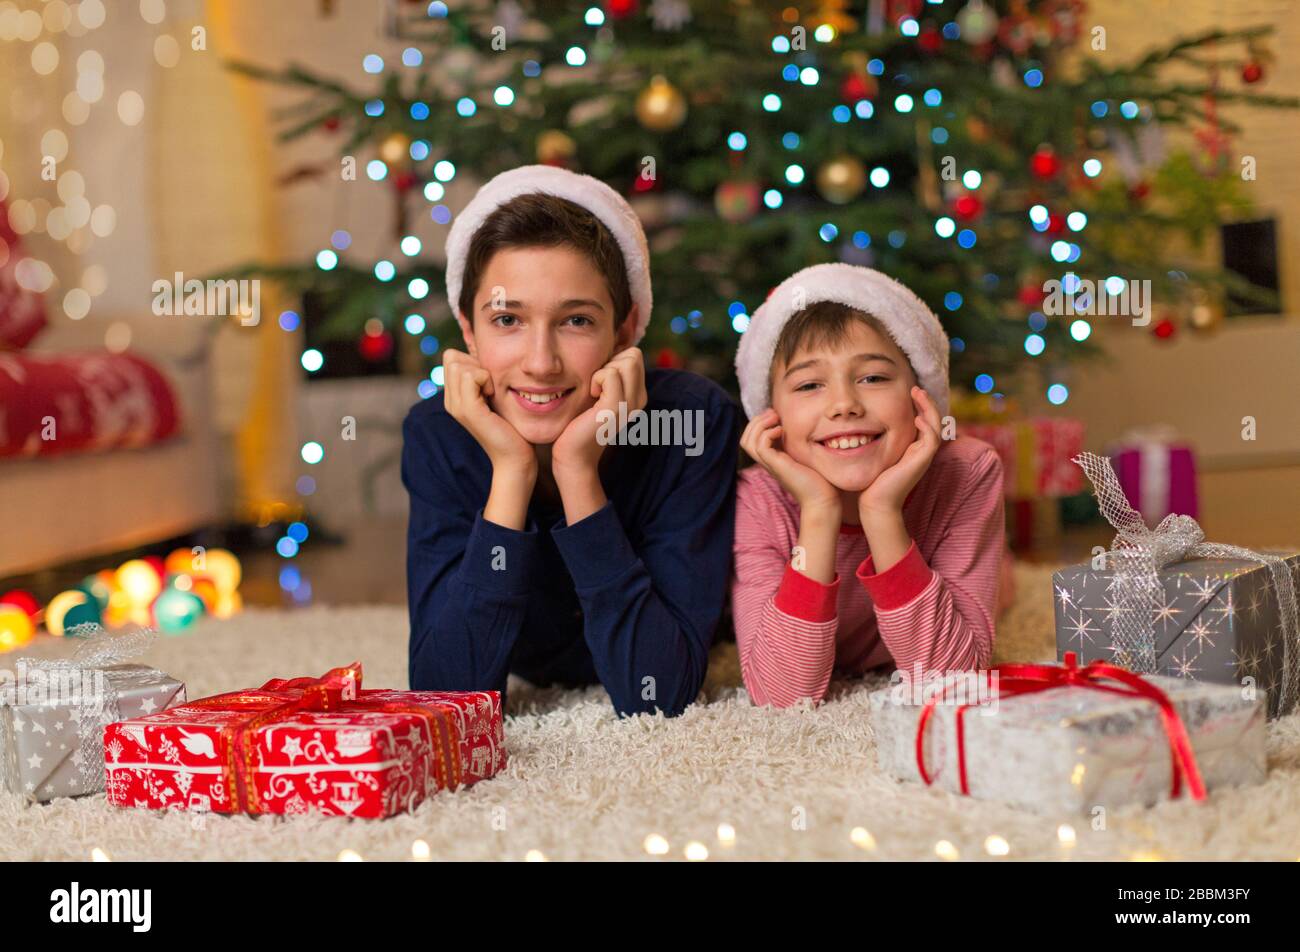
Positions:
(47, 750)
(1218, 620)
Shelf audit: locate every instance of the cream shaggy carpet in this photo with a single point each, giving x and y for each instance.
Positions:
(582, 784)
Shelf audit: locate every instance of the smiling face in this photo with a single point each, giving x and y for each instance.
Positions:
(844, 399)
(543, 324)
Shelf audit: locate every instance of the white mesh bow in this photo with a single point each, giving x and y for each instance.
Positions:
(1139, 553)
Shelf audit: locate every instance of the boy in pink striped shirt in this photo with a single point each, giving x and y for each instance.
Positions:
(844, 375)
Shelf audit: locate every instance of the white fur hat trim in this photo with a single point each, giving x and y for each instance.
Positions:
(591, 193)
(913, 326)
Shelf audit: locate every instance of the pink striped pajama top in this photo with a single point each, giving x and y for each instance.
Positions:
(935, 608)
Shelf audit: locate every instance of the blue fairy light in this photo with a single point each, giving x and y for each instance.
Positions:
(1034, 345)
(984, 383)
(952, 300)
(419, 111)
(289, 320)
(414, 324)
(466, 107)
(772, 198)
(326, 260)
(384, 270)
(1057, 394)
(376, 170)
(412, 57)
(966, 238)
(428, 345)
(341, 240)
(373, 63)
(828, 232)
(945, 227)
(771, 103)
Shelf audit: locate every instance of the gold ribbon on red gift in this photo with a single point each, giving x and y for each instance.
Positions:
(1015, 679)
(337, 690)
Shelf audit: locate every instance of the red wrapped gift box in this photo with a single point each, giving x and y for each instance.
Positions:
(307, 744)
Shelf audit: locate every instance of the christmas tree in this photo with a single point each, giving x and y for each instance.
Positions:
(973, 150)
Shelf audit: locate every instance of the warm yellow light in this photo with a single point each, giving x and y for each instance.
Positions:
(57, 610)
(349, 856)
(656, 845)
(16, 629)
(945, 850)
(996, 846)
(420, 851)
(861, 837)
(696, 851)
(1065, 833)
(726, 834)
(223, 568)
(139, 581)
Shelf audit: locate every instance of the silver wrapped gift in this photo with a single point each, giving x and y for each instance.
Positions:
(53, 713)
(1071, 749)
(1164, 601)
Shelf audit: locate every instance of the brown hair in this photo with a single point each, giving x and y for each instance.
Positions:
(824, 324)
(546, 221)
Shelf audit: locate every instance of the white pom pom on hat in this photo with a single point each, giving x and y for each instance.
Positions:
(595, 196)
(913, 326)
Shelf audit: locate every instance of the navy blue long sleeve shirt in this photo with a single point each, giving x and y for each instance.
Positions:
(628, 597)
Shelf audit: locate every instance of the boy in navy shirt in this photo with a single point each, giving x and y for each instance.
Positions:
(571, 512)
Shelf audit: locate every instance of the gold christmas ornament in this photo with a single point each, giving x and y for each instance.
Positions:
(841, 179)
(1206, 314)
(661, 107)
(555, 147)
(395, 150)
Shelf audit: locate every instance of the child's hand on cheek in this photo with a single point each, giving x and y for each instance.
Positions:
(889, 490)
(467, 385)
(809, 488)
(622, 380)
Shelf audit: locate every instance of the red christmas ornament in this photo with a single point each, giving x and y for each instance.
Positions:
(375, 347)
(1031, 296)
(857, 86)
(667, 357)
(1164, 329)
(1252, 72)
(642, 184)
(332, 123)
(1055, 223)
(1140, 190)
(1044, 163)
(930, 40)
(403, 180)
(620, 9)
(968, 208)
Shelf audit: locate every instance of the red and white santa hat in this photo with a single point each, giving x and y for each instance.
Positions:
(595, 196)
(913, 326)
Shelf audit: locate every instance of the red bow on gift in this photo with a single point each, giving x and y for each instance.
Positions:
(1013, 679)
(338, 689)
